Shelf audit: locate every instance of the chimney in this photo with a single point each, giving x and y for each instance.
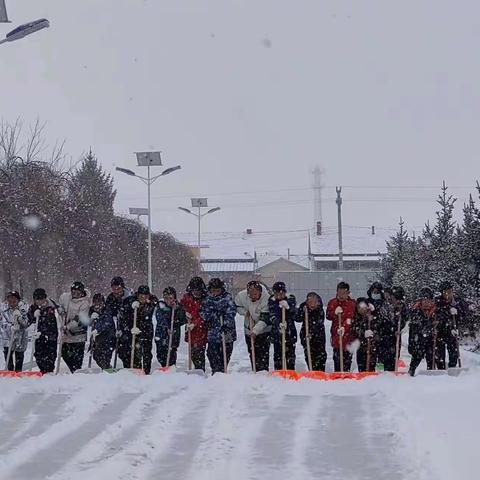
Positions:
(249, 231)
(373, 229)
(319, 228)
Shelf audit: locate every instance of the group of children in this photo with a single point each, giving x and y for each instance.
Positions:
(369, 327)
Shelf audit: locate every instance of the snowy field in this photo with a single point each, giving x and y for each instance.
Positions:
(239, 426)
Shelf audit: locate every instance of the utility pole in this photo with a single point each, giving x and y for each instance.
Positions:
(317, 198)
(340, 239)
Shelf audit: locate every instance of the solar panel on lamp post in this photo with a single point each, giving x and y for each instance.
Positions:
(199, 203)
(149, 159)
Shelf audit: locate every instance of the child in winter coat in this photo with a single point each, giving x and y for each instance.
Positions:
(164, 333)
(219, 312)
(102, 339)
(340, 311)
(364, 328)
(312, 308)
(278, 303)
(252, 303)
(74, 310)
(145, 303)
(392, 318)
(195, 330)
(13, 329)
(42, 315)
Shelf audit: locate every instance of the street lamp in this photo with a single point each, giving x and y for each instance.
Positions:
(24, 30)
(199, 203)
(149, 159)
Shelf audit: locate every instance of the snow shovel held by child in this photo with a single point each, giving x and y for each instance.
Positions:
(307, 339)
(89, 369)
(135, 331)
(170, 342)
(456, 371)
(252, 343)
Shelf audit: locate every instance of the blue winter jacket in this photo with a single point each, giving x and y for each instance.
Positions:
(213, 309)
(104, 324)
(276, 319)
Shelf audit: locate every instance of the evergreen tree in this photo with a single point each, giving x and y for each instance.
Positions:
(444, 242)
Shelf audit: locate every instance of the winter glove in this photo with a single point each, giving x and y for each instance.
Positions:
(341, 331)
(282, 327)
(135, 331)
(284, 304)
(72, 325)
(368, 333)
(453, 311)
(94, 334)
(135, 304)
(455, 333)
(338, 311)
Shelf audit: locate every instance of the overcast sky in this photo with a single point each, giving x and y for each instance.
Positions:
(248, 96)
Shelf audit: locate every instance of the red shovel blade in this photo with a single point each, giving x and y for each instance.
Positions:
(401, 363)
(287, 374)
(8, 373)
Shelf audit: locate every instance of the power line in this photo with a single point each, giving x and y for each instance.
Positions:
(303, 188)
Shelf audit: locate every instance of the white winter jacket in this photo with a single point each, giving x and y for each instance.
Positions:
(258, 311)
(14, 321)
(75, 317)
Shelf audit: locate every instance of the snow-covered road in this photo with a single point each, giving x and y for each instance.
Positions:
(238, 426)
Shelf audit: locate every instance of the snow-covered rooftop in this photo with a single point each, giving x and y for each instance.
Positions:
(271, 245)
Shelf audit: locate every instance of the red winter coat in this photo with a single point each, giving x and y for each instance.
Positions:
(349, 307)
(192, 306)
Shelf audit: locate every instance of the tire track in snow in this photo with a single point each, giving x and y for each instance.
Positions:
(217, 441)
(135, 460)
(115, 444)
(38, 420)
(14, 417)
(274, 446)
(342, 445)
(225, 449)
(175, 461)
(53, 457)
